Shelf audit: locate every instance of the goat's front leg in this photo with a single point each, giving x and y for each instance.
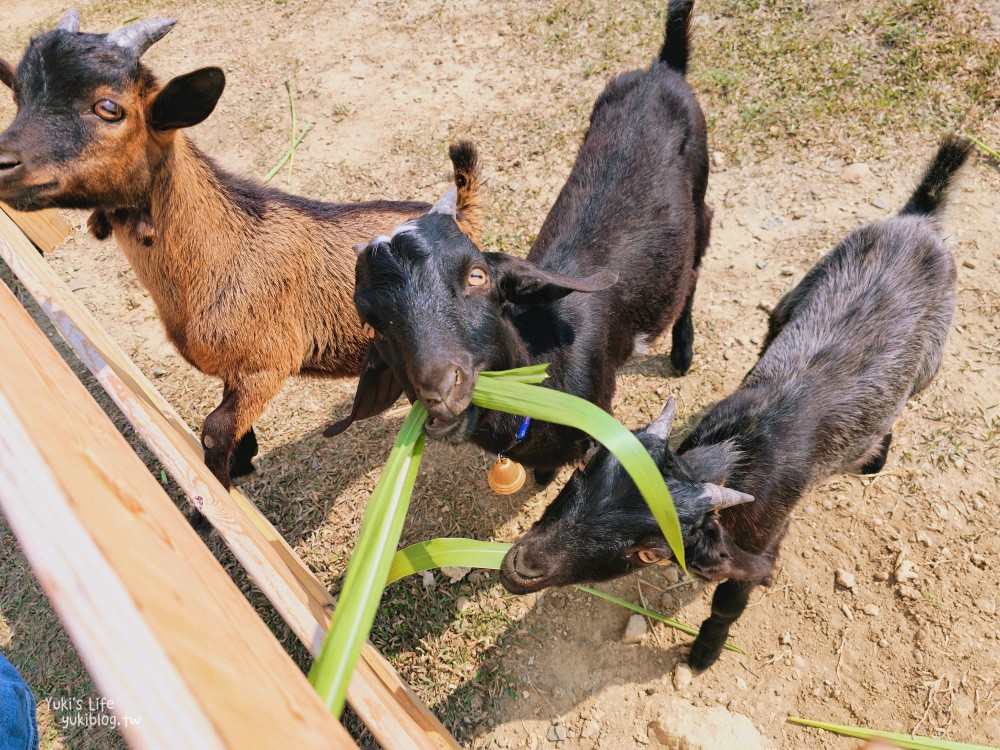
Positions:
(227, 435)
(728, 603)
(682, 347)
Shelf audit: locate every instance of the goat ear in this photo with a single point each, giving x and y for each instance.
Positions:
(728, 560)
(712, 463)
(6, 74)
(468, 210)
(378, 389)
(187, 99)
(524, 283)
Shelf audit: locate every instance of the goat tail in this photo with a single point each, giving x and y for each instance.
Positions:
(675, 43)
(468, 179)
(929, 197)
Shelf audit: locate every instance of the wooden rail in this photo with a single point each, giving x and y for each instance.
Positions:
(45, 229)
(387, 706)
(171, 642)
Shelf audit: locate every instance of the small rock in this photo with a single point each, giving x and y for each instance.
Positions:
(765, 306)
(462, 603)
(682, 676)
(772, 222)
(798, 661)
(987, 606)
(908, 592)
(879, 203)
(848, 613)
(636, 629)
(883, 643)
(455, 573)
(924, 538)
(556, 734)
(977, 504)
(846, 579)
(159, 372)
(427, 579)
(679, 724)
(558, 692)
(590, 729)
(667, 600)
(880, 575)
(786, 639)
(807, 554)
(718, 158)
(475, 577)
(855, 172)
(761, 264)
(871, 610)
(671, 574)
(741, 684)
(969, 264)
(978, 560)
(906, 572)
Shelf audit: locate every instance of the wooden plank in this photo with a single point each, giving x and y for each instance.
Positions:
(46, 228)
(167, 636)
(386, 704)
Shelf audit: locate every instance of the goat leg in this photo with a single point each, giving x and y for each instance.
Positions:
(682, 348)
(728, 603)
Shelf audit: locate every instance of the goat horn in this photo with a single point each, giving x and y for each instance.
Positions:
(447, 205)
(664, 423)
(70, 21)
(141, 35)
(723, 497)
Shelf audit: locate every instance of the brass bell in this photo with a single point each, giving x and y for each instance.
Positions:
(505, 476)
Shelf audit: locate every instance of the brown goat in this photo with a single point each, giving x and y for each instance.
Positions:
(253, 285)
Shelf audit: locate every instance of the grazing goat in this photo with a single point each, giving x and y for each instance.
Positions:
(633, 208)
(862, 333)
(253, 285)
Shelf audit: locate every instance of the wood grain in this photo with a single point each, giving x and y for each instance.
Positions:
(45, 229)
(165, 633)
(387, 706)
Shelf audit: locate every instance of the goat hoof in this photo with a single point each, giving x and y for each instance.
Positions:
(681, 360)
(703, 655)
(241, 468)
(198, 521)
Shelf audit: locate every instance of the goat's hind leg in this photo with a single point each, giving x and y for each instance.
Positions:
(240, 465)
(682, 335)
(876, 463)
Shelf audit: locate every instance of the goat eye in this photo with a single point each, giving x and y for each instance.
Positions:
(108, 110)
(477, 277)
(369, 331)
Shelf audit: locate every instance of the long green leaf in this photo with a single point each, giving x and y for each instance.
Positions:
(366, 571)
(437, 553)
(905, 741)
(650, 613)
(562, 408)
(529, 374)
(471, 553)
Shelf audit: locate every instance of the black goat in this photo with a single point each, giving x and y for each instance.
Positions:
(634, 204)
(862, 333)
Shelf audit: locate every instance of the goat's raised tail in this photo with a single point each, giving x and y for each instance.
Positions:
(675, 45)
(929, 197)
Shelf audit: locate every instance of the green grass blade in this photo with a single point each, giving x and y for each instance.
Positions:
(650, 613)
(905, 741)
(366, 571)
(436, 553)
(529, 374)
(561, 408)
(984, 147)
(471, 553)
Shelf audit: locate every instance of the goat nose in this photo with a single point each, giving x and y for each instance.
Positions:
(527, 563)
(8, 162)
(436, 387)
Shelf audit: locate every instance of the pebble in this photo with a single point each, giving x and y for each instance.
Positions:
(880, 575)
(761, 264)
(636, 629)
(977, 504)
(475, 577)
(871, 610)
(718, 158)
(924, 538)
(772, 222)
(855, 172)
(969, 264)
(556, 734)
(987, 606)
(671, 574)
(846, 579)
(682, 676)
(879, 203)
(159, 372)
(807, 554)
(978, 560)
(590, 728)
(798, 661)
(848, 613)
(828, 504)
(765, 306)
(462, 603)
(905, 572)
(786, 639)
(908, 592)
(667, 600)
(883, 643)
(427, 579)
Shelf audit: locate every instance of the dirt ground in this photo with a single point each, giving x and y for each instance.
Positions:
(794, 93)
